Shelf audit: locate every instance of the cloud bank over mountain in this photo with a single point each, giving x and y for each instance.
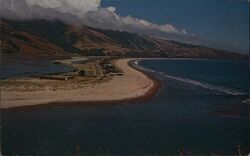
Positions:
(90, 13)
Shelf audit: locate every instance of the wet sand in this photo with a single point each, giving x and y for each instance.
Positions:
(134, 85)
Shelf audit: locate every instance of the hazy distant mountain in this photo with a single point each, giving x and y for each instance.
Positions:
(55, 39)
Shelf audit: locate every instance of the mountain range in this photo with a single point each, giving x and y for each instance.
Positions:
(55, 39)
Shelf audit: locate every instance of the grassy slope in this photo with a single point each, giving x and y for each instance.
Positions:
(90, 41)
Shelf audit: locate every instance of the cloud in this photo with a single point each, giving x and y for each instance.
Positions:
(89, 12)
(107, 18)
(75, 7)
(111, 9)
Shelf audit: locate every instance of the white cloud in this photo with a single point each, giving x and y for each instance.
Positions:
(75, 7)
(89, 12)
(112, 9)
(107, 18)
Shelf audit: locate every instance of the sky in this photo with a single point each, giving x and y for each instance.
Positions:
(219, 23)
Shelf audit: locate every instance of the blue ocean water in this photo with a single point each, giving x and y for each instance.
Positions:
(226, 73)
(198, 110)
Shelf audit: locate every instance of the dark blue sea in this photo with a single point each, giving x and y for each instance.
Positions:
(198, 110)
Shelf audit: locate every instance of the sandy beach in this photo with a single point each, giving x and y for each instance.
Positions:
(133, 85)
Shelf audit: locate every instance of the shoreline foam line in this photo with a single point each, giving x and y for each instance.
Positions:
(217, 88)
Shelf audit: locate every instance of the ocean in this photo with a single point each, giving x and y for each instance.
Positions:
(198, 110)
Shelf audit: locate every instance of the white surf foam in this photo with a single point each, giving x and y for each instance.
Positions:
(213, 87)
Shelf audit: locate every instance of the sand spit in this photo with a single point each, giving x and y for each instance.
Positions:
(133, 85)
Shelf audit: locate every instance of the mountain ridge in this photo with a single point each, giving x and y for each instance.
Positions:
(56, 39)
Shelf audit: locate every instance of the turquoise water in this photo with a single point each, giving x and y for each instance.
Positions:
(198, 110)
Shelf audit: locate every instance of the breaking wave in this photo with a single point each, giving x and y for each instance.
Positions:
(213, 87)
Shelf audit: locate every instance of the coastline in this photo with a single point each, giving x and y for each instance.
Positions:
(136, 85)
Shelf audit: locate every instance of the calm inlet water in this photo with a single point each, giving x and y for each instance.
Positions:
(26, 68)
(198, 110)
